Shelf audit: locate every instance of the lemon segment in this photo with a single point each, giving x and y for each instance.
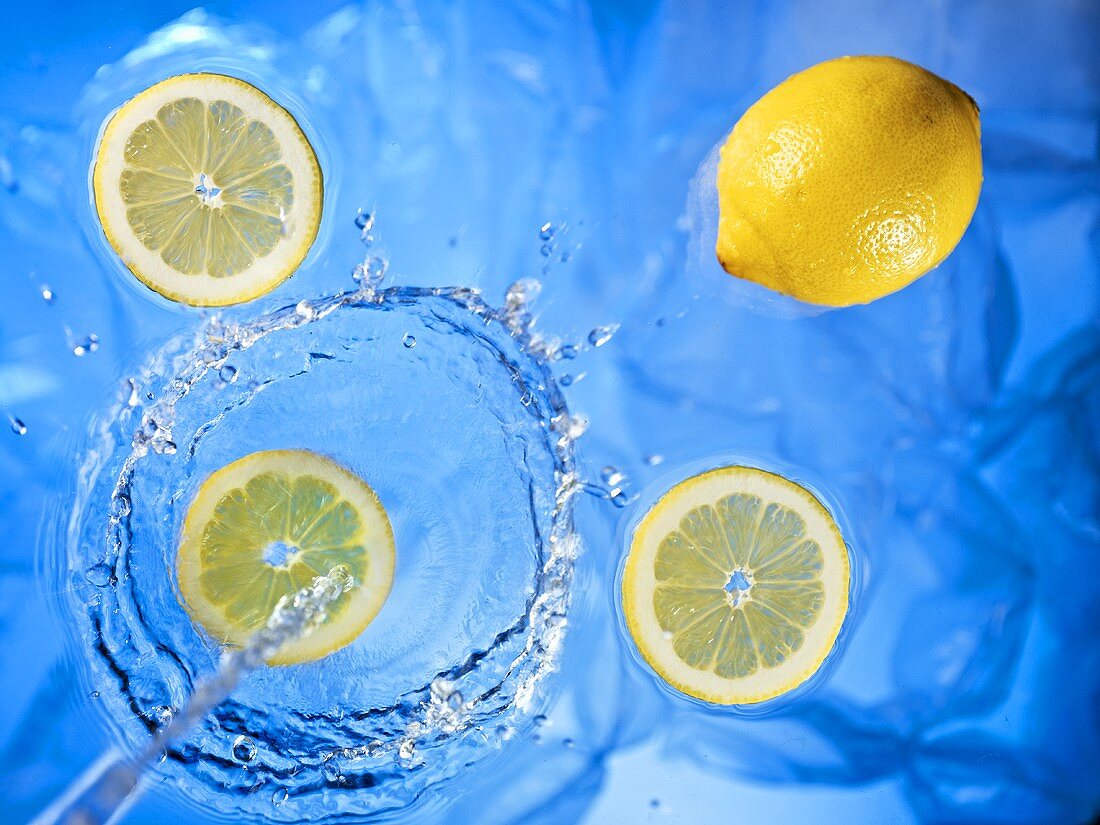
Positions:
(264, 527)
(207, 189)
(849, 180)
(736, 585)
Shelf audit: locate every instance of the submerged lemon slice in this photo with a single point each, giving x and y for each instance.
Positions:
(264, 527)
(207, 189)
(736, 585)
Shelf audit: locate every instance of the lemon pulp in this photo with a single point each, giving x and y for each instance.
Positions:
(264, 527)
(207, 189)
(849, 180)
(736, 585)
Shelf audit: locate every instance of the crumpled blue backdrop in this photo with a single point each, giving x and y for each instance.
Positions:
(956, 424)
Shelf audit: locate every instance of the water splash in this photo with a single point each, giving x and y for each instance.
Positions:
(107, 789)
(453, 667)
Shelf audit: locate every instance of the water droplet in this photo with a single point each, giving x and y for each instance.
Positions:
(619, 498)
(566, 380)
(133, 399)
(364, 221)
(546, 250)
(602, 334)
(521, 292)
(571, 427)
(526, 399)
(244, 749)
(47, 294)
(540, 720)
(94, 694)
(546, 231)
(655, 803)
(569, 743)
(7, 176)
(370, 273)
(279, 797)
(227, 374)
(565, 256)
(100, 575)
(612, 476)
(17, 425)
(408, 340)
(305, 310)
(568, 351)
(120, 506)
(653, 459)
(90, 343)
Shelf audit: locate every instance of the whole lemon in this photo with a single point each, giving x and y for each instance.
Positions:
(849, 180)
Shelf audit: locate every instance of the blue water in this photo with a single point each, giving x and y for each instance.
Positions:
(953, 426)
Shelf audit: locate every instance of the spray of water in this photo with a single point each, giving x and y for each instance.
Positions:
(107, 789)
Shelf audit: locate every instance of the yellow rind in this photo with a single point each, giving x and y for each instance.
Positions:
(848, 181)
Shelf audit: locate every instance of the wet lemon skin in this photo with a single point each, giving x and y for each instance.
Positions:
(849, 180)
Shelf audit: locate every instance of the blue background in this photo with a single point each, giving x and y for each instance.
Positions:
(955, 424)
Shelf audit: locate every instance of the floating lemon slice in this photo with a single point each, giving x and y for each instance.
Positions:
(736, 585)
(207, 189)
(264, 527)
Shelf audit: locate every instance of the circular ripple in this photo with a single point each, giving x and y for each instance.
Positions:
(463, 438)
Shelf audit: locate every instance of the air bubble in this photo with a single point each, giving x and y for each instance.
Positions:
(17, 425)
(279, 797)
(227, 374)
(47, 294)
(546, 231)
(568, 351)
(408, 340)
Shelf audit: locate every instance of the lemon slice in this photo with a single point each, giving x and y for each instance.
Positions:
(265, 526)
(736, 585)
(207, 189)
